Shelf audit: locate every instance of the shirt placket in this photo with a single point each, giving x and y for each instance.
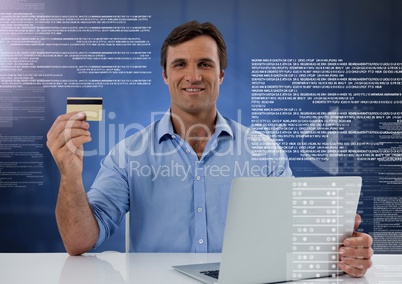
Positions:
(199, 209)
(200, 214)
(200, 219)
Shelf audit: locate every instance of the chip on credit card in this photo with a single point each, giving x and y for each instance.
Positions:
(92, 107)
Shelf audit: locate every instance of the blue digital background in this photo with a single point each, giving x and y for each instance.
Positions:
(356, 30)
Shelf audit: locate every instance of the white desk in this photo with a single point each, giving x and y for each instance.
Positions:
(117, 268)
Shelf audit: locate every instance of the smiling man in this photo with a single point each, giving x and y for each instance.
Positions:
(193, 72)
(174, 176)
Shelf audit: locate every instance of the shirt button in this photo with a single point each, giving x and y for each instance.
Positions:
(174, 136)
(198, 177)
(188, 150)
(201, 241)
(199, 210)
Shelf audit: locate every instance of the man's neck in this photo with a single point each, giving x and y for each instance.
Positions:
(196, 129)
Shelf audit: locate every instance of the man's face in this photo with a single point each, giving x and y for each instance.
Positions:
(193, 76)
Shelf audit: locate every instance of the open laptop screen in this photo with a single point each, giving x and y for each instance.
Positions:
(286, 228)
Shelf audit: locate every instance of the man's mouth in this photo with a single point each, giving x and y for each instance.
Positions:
(192, 90)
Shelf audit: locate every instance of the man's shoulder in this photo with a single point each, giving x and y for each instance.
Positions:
(138, 135)
(247, 131)
(235, 126)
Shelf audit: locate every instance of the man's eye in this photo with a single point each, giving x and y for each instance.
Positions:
(179, 65)
(205, 65)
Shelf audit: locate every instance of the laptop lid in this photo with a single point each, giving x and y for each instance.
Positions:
(286, 228)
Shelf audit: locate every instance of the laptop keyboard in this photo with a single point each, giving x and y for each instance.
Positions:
(211, 273)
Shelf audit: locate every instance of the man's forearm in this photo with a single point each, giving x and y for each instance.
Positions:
(75, 219)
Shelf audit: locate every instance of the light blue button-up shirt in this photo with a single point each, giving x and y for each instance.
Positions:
(178, 202)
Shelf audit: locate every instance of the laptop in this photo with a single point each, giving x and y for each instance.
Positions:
(282, 229)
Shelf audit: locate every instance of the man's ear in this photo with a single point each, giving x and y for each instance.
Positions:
(164, 75)
(221, 76)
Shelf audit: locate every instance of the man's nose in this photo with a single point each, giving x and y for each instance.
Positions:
(193, 74)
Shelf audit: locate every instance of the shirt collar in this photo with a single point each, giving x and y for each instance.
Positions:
(165, 127)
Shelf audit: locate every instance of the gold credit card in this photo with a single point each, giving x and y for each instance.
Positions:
(91, 106)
